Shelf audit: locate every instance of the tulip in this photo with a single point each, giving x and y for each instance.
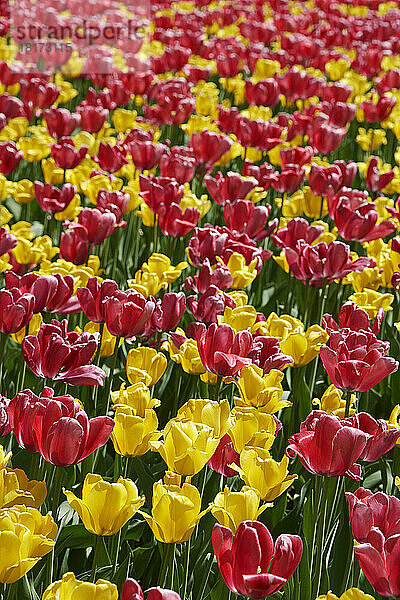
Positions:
(16, 310)
(114, 202)
(28, 536)
(230, 188)
(322, 179)
(176, 510)
(261, 391)
(327, 137)
(242, 216)
(65, 155)
(105, 507)
(221, 351)
(249, 561)
(93, 296)
(352, 594)
(72, 588)
(373, 180)
(74, 245)
(146, 365)
(375, 113)
(264, 92)
(92, 117)
(176, 222)
(179, 163)
(296, 230)
(111, 158)
(210, 304)
(59, 354)
(131, 590)
(127, 313)
(8, 241)
(10, 157)
(52, 199)
(232, 508)
(16, 489)
(39, 92)
(52, 293)
(136, 396)
(333, 402)
(134, 430)
(224, 455)
(61, 122)
(209, 147)
(252, 427)
(98, 225)
(56, 427)
(266, 354)
(5, 426)
(145, 154)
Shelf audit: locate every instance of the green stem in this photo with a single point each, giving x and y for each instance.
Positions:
(217, 387)
(33, 472)
(95, 558)
(111, 375)
(168, 553)
(320, 533)
(347, 396)
(57, 491)
(186, 568)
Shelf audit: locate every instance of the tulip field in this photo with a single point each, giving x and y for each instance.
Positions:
(199, 299)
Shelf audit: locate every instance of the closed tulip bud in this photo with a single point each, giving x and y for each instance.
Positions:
(127, 313)
(186, 446)
(28, 536)
(16, 489)
(105, 507)
(207, 412)
(136, 396)
(10, 157)
(74, 245)
(61, 122)
(70, 587)
(133, 434)
(261, 391)
(333, 403)
(145, 365)
(232, 508)
(16, 309)
(176, 510)
(262, 473)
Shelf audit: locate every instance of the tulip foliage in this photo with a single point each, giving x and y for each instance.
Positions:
(199, 300)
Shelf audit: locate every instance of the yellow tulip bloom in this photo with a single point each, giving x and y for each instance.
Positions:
(146, 365)
(33, 329)
(251, 426)
(70, 588)
(176, 510)
(133, 433)
(232, 508)
(186, 446)
(261, 391)
(332, 402)
(368, 278)
(25, 537)
(16, 489)
(371, 301)
(105, 507)
(242, 273)
(239, 318)
(24, 191)
(352, 594)
(207, 412)
(262, 473)
(135, 396)
(107, 339)
(187, 355)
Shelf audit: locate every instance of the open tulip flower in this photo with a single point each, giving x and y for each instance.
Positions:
(251, 563)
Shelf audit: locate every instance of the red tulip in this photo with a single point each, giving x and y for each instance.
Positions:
(349, 171)
(264, 92)
(56, 427)
(65, 155)
(115, 202)
(296, 156)
(168, 311)
(177, 223)
(131, 590)
(327, 137)
(161, 192)
(146, 154)
(224, 455)
(98, 225)
(74, 244)
(322, 179)
(111, 158)
(242, 216)
(375, 521)
(92, 117)
(231, 187)
(52, 293)
(375, 113)
(220, 277)
(178, 163)
(249, 561)
(380, 438)
(39, 93)
(93, 296)
(296, 230)
(266, 354)
(221, 351)
(58, 354)
(209, 147)
(373, 180)
(5, 426)
(10, 157)
(289, 180)
(61, 122)
(211, 303)
(8, 241)
(52, 199)
(127, 313)
(16, 310)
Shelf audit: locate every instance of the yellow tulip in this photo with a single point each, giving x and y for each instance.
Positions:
(33, 329)
(91, 186)
(24, 191)
(52, 173)
(352, 594)
(337, 68)
(132, 432)
(368, 278)
(105, 507)
(176, 510)
(25, 537)
(207, 412)
(146, 365)
(332, 402)
(187, 355)
(71, 212)
(388, 261)
(239, 318)
(242, 273)
(135, 396)
(231, 508)
(394, 420)
(371, 139)
(80, 273)
(156, 274)
(186, 446)
(16, 489)
(261, 391)
(124, 120)
(251, 426)
(371, 301)
(4, 458)
(303, 346)
(34, 148)
(262, 473)
(107, 339)
(70, 588)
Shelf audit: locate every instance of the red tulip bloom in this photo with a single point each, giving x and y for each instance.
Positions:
(289, 180)
(74, 244)
(296, 156)
(373, 180)
(65, 155)
(92, 117)
(8, 241)
(38, 92)
(131, 590)
(209, 147)
(178, 163)
(5, 426)
(229, 188)
(58, 354)
(52, 293)
(56, 427)
(296, 230)
(10, 157)
(264, 92)
(61, 122)
(93, 296)
(349, 171)
(161, 192)
(209, 305)
(16, 309)
(356, 359)
(146, 154)
(327, 137)
(127, 313)
(98, 225)
(177, 223)
(224, 455)
(375, 113)
(326, 445)
(324, 263)
(380, 438)
(375, 520)
(356, 217)
(52, 199)
(242, 216)
(249, 561)
(168, 311)
(322, 179)
(111, 158)
(221, 351)
(220, 277)
(266, 354)
(115, 202)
